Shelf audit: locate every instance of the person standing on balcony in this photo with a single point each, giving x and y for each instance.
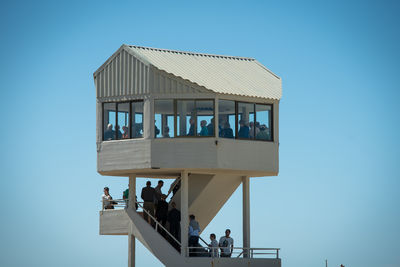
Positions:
(194, 232)
(148, 195)
(106, 197)
(213, 246)
(174, 219)
(226, 244)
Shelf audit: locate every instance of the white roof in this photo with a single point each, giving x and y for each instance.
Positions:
(221, 74)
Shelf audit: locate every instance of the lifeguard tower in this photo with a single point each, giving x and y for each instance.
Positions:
(210, 121)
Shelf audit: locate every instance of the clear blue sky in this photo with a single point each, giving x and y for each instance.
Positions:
(337, 194)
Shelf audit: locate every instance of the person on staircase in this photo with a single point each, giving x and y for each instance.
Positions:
(161, 213)
(148, 195)
(194, 232)
(158, 191)
(174, 219)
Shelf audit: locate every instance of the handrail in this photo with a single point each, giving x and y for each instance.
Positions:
(200, 250)
(158, 224)
(203, 241)
(176, 182)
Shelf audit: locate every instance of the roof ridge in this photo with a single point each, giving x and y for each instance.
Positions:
(190, 53)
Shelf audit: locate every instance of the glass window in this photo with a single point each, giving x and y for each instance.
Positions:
(226, 118)
(205, 117)
(186, 118)
(263, 129)
(137, 119)
(109, 114)
(246, 120)
(123, 121)
(164, 118)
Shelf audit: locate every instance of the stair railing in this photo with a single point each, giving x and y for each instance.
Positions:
(173, 185)
(159, 224)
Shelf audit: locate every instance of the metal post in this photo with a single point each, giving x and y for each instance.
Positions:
(184, 212)
(246, 215)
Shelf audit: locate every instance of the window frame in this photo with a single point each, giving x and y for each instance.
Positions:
(195, 121)
(255, 119)
(116, 119)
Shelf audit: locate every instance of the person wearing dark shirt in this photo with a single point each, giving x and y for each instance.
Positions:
(191, 129)
(227, 131)
(174, 219)
(210, 128)
(118, 131)
(162, 212)
(148, 196)
(156, 131)
(109, 134)
(244, 130)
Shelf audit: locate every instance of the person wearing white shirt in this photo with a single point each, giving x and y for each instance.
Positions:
(213, 246)
(106, 197)
(226, 244)
(194, 232)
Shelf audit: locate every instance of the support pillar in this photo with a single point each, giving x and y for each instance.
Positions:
(132, 191)
(184, 212)
(131, 250)
(246, 215)
(131, 205)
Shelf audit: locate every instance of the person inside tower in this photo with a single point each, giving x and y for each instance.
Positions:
(194, 232)
(191, 129)
(264, 133)
(226, 244)
(244, 130)
(156, 130)
(253, 129)
(227, 131)
(210, 127)
(204, 130)
(118, 131)
(213, 246)
(107, 199)
(109, 134)
(174, 219)
(148, 195)
(166, 132)
(125, 133)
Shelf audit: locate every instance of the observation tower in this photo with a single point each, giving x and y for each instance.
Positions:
(210, 121)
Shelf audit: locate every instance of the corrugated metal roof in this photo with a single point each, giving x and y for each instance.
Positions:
(221, 74)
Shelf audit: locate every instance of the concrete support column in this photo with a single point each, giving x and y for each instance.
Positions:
(246, 214)
(184, 212)
(132, 191)
(131, 205)
(131, 250)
